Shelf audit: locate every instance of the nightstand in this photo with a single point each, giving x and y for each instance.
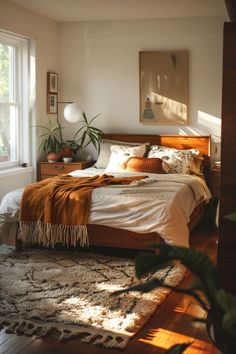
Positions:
(52, 169)
(215, 181)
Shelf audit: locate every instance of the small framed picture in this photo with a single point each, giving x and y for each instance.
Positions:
(51, 104)
(52, 82)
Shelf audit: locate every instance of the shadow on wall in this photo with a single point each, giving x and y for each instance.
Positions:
(212, 125)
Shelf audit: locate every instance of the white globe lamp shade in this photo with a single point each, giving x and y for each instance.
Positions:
(72, 113)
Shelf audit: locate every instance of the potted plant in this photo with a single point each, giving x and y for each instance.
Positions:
(50, 142)
(217, 302)
(52, 139)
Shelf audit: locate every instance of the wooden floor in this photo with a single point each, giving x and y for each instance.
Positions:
(170, 324)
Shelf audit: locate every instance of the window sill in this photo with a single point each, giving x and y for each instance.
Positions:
(15, 171)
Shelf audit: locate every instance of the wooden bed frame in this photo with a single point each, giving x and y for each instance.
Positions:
(110, 237)
(105, 236)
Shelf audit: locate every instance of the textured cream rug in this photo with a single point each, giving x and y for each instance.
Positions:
(68, 294)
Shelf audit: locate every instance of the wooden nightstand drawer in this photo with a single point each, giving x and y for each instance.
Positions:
(51, 169)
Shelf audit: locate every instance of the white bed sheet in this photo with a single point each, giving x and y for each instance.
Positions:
(161, 203)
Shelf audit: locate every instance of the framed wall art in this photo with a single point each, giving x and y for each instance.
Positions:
(163, 78)
(52, 82)
(51, 103)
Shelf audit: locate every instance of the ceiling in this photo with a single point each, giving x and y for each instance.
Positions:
(97, 10)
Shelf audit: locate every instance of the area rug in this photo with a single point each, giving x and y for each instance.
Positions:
(68, 294)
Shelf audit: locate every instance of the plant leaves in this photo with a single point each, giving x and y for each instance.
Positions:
(78, 131)
(198, 263)
(94, 118)
(231, 216)
(41, 126)
(226, 300)
(147, 262)
(229, 322)
(52, 136)
(157, 283)
(83, 138)
(89, 134)
(98, 130)
(144, 287)
(85, 117)
(92, 139)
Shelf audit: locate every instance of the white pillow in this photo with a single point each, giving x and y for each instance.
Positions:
(105, 151)
(120, 155)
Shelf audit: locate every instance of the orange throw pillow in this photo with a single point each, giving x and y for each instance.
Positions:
(144, 164)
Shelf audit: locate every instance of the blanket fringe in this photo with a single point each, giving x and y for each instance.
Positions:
(29, 328)
(49, 235)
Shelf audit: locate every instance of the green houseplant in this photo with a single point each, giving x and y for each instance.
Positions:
(218, 303)
(52, 139)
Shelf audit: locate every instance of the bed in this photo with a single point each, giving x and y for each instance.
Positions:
(113, 225)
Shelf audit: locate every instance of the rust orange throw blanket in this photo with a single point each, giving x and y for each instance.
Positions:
(57, 209)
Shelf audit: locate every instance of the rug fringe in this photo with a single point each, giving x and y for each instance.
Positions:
(29, 328)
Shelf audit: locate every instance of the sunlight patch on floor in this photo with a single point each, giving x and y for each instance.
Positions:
(195, 310)
(164, 339)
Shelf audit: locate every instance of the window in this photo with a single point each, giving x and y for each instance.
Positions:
(14, 117)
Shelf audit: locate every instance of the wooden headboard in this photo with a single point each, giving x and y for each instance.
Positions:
(202, 143)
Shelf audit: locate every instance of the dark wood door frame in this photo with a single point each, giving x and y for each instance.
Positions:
(226, 260)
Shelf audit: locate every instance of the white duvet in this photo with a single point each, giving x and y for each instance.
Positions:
(161, 203)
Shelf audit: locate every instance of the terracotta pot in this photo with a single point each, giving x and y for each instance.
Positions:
(66, 152)
(52, 157)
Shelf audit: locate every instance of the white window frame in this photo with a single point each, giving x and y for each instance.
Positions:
(20, 97)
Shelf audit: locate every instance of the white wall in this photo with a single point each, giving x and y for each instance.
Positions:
(97, 64)
(100, 69)
(45, 33)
